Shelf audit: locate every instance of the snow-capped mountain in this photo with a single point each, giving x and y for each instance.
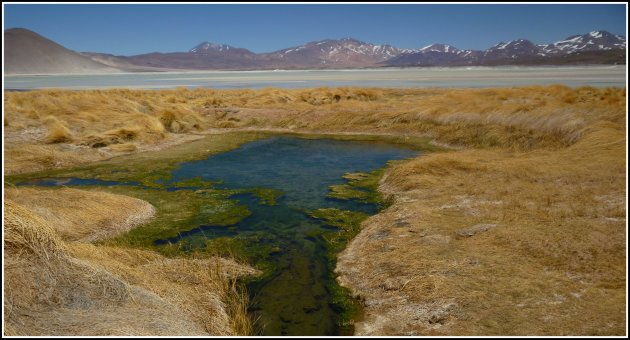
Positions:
(434, 54)
(442, 48)
(510, 50)
(599, 45)
(593, 41)
(206, 48)
(346, 52)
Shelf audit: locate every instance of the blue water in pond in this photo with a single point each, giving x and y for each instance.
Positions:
(51, 182)
(294, 298)
(302, 168)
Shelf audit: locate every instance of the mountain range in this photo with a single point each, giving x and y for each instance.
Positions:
(28, 52)
(596, 44)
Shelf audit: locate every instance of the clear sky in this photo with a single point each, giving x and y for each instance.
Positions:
(135, 29)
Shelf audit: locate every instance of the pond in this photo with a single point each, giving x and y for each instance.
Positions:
(294, 225)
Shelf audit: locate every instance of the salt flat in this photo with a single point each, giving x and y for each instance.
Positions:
(597, 76)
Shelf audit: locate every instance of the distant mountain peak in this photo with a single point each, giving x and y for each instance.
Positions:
(344, 51)
(600, 34)
(346, 40)
(517, 43)
(593, 41)
(207, 46)
(352, 40)
(444, 48)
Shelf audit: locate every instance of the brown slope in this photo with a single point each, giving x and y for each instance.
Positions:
(26, 52)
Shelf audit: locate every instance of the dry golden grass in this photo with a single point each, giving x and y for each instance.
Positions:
(204, 290)
(519, 232)
(54, 286)
(57, 132)
(499, 241)
(60, 206)
(125, 147)
(90, 121)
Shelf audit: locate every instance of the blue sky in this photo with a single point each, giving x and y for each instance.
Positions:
(135, 29)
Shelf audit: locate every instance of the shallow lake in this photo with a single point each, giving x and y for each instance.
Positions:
(478, 76)
(296, 296)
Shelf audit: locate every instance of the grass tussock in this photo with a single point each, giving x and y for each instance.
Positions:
(125, 147)
(27, 234)
(57, 132)
(55, 286)
(60, 206)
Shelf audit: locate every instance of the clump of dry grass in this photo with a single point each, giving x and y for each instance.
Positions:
(125, 147)
(203, 289)
(60, 287)
(112, 137)
(181, 120)
(57, 132)
(60, 207)
(40, 276)
(27, 234)
(37, 157)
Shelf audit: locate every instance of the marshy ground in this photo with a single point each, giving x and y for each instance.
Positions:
(517, 229)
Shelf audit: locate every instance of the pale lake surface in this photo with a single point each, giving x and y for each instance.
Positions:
(477, 76)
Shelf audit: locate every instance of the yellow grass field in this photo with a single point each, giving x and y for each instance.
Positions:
(518, 229)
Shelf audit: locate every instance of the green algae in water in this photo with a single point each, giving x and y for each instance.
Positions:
(150, 169)
(197, 182)
(345, 220)
(251, 202)
(349, 225)
(298, 294)
(360, 186)
(267, 196)
(177, 212)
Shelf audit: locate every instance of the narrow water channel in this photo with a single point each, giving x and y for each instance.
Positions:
(295, 296)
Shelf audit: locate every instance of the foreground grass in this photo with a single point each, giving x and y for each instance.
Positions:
(78, 288)
(518, 232)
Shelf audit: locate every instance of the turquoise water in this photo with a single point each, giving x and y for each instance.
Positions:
(477, 76)
(295, 296)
